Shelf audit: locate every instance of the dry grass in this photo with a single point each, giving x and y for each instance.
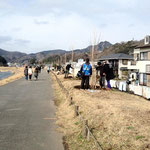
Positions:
(68, 124)
(119, 120)
(17, 74)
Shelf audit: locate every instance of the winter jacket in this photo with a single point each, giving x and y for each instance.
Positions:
(86, 69)
(26, 71)
(30, 71)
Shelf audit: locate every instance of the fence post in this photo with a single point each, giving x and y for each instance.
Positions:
(88, 134)
(76, 111)
(71, 101)
(84, 128)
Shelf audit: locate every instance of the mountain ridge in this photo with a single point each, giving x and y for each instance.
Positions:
(19, 57)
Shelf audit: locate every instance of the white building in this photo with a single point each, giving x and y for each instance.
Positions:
(141, 62)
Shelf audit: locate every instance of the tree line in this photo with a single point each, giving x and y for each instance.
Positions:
(3, 61)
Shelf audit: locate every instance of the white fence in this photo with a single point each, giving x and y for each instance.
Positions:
(136, 89)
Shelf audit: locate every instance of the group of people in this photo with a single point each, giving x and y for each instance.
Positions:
(29, 71)
(103, 70)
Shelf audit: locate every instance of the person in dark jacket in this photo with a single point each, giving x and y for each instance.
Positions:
(101, 74)
(86, 71)
(107, 72)
(67, 70)
(36, 71)
(26, 72)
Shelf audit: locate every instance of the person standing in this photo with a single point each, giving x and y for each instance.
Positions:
(86, 71)
(26, 72)
(48, 69)
(101, 74)
(36, 71)
(30, 72)
(107, 72)
(67, 70)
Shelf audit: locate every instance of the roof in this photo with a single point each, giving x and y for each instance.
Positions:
(144, 46)
(116, 56)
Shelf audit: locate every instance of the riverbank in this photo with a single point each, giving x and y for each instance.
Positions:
(119, 121)
(17, 73)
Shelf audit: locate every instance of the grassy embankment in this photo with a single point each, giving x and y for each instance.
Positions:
(120, 121)
(17, 74)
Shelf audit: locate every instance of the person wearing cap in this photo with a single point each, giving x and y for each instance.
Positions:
(86, 71)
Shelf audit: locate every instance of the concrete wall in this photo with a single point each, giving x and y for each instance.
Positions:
(140, 65)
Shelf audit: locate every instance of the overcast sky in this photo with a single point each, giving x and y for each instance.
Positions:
(37, 25)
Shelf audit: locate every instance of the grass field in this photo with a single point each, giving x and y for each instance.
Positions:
(120, 121)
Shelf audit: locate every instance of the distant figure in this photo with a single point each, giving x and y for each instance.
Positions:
(36, 71)
(26, 72)
(86, 71)
(30, 72)
(48, 69)
(101, 74)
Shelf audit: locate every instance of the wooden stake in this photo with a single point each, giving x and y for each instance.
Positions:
(84, 129)
(76, 111)
(71, 101)
(88, 135)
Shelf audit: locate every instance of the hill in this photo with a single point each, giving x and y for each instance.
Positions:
(78, 53)
(102, 49)
(123, 47)
(11, 56)
(50, 55)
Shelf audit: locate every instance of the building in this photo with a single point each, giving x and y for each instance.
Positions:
(119, 62)
(139, 70)
(141, 63)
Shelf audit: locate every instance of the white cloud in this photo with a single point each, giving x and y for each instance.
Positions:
(4, 39)
(49, 24)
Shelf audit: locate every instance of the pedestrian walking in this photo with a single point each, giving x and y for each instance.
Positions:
(86, 71)
(36, 71)
(30, 72)
(26, 72)
(48, 69)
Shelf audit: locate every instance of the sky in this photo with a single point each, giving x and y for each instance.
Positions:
(31, 26)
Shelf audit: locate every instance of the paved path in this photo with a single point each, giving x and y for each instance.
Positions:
(27, 116)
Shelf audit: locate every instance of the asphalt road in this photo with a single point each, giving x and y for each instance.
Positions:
(27, 116)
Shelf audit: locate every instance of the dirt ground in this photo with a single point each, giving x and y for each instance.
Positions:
(120, 121)
(17, 74)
